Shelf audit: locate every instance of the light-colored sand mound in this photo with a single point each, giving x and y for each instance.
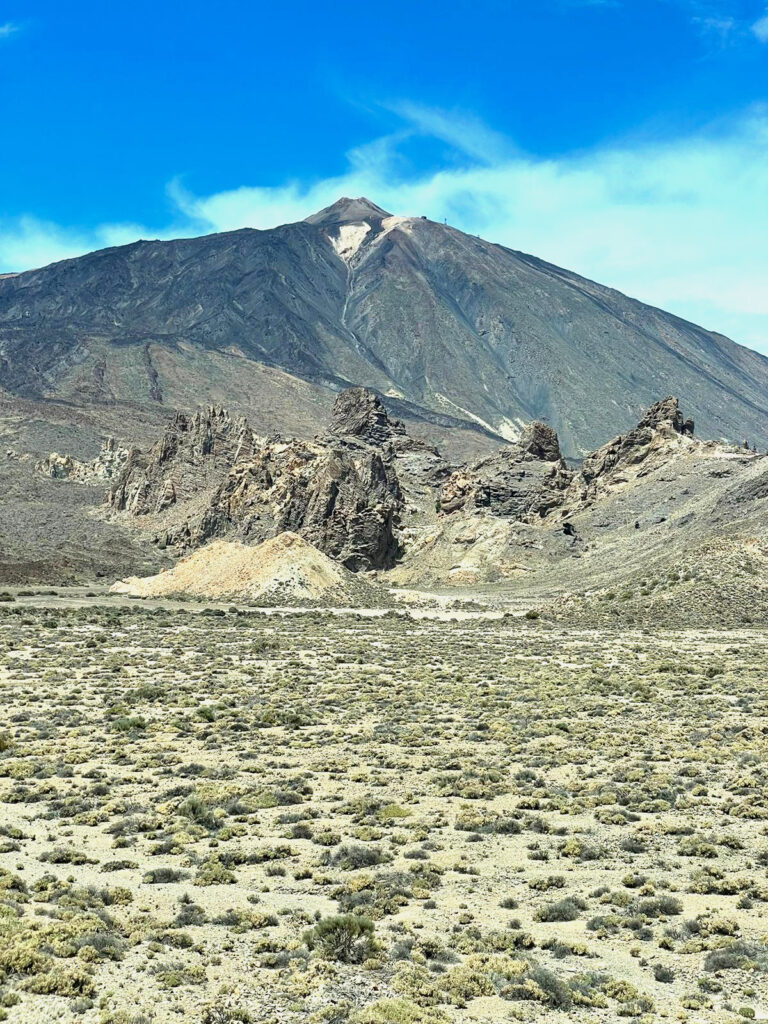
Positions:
(283, 570)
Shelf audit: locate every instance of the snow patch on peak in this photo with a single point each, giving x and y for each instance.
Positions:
(349, 239)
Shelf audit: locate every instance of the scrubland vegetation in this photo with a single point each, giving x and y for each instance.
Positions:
(233, 817)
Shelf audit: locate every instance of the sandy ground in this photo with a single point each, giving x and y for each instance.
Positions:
(526, 821)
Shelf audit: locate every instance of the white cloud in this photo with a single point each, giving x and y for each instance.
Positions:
(680, 223)
(27, 243)
(724, 27)
(8, 29)
(760, 29)
(724, 20)
(465, 132)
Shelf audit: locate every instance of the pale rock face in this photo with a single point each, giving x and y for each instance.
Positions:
(283, 568)
(349, 239)
(389, 223)
(107, 464)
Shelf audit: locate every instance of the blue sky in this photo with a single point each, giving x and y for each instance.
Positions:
(624, 139)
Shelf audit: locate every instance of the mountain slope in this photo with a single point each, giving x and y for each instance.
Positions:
(441, 323)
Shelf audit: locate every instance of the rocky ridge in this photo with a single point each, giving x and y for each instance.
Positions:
(523, 480)
(352, 491)
(369, 496)
(107, 465)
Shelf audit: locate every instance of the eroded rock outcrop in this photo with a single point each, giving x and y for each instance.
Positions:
(186, 463)
(524, 480)
(210, 476)
(344, 502)
(359, 413)
(540, 441)
(106, 465)
(666, 412)
(364, 490)
(657, 434)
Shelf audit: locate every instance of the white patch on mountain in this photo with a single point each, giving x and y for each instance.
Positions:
(349, 239)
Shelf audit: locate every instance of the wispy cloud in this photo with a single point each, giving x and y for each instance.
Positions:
(27, 242)
(760, 28)
(678, 222)
(464, 132)
(724, 21)
(8, 29)
(722, 27)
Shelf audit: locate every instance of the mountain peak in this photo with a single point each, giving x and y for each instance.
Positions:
(348, 211)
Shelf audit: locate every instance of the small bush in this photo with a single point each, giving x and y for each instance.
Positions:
(162, 876)
(567, 909)
(349, 858)
(129, 724)
(346, 938)
(739, 954)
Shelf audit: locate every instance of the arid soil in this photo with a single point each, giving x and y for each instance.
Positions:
(211, 816)
(282, 570)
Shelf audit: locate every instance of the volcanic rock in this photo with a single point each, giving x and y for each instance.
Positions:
(340, 492)
(447, 324)
(522, 481)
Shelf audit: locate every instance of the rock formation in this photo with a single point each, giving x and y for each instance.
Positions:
(191, 455)
(667, 411)
(108, 464)
(359, 413)
(659, 431)
(345, 503)
(523, 480)
(362, 489)
(341, 493)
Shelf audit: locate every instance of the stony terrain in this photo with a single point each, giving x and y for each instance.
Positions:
(390, 740)
(439, 698)
(656, 526)
(465, 342)
(217, 816)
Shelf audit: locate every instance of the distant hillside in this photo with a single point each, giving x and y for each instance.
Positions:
(465, 337)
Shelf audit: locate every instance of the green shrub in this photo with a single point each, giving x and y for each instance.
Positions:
(352, 857)
(398, 1011)
(129, 724)
(739, 954)
(567, 909)
(345, 937)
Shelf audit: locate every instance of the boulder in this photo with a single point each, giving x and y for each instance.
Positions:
(540, 441)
